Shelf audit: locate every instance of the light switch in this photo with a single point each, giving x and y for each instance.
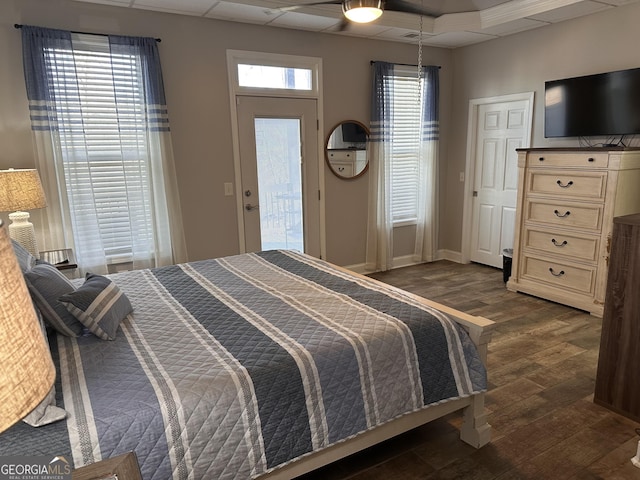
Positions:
(228, 189)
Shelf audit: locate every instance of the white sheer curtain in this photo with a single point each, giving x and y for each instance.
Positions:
(380, 222)
(427, 211)
(103, 148)
(403, 162)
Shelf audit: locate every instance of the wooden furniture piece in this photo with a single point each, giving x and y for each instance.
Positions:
(567, 199)
(617, 386)
(62, 259)
(123, 467)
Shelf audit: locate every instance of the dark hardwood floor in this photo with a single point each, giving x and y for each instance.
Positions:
(542, 365)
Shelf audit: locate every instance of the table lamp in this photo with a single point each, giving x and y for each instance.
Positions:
(27, 372)
(20, 189)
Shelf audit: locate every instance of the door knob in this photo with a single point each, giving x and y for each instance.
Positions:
(250, 207)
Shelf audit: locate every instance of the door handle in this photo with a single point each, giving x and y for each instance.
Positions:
(248, 207)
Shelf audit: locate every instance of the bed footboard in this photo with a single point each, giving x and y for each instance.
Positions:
(475, 429)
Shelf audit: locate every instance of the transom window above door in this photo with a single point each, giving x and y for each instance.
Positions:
(265, 76)
(256, 73)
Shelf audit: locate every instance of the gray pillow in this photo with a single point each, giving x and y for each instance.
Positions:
(46, 412)
(46, 284)
(25, 259)
(99, 304)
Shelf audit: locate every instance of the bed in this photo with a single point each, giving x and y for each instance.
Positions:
(261, 365)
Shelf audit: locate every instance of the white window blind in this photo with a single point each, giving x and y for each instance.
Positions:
(103, 139)
(405, 146)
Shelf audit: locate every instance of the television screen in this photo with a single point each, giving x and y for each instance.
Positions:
(593, 105)
(353, 133)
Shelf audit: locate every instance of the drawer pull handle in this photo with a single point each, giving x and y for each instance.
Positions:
(591, 159)
(565, 214)
(561, 273)
(565, 185)
(541, 159)
(558, 244)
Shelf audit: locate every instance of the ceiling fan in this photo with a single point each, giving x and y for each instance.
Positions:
(365, 11)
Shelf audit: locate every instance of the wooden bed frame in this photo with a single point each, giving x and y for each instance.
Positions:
(474, 430)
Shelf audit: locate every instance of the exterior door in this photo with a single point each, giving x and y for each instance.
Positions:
(279, 173)
(501, 127)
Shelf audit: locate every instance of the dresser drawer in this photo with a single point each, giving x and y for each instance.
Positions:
(574, 159)
(568, 184)
(566, 276)
(571, 246)
(565, 214)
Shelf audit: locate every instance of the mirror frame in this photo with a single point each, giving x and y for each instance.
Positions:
(366, 149)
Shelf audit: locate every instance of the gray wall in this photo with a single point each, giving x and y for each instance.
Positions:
(193, 54)
(597, 43)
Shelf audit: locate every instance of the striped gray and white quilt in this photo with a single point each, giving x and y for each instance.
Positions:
(229, 368)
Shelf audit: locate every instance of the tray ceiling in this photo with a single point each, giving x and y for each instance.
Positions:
(461, 23)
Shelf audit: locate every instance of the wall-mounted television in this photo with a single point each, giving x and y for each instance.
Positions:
(605, 104)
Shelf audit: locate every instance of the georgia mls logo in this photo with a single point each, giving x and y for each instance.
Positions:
(34, 468)
(60, 466)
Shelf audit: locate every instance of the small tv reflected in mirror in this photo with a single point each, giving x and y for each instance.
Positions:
(346, 150)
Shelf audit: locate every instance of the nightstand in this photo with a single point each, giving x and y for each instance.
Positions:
(62, 259)
(122, 467)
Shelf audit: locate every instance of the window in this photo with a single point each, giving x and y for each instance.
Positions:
(257, 73)
(103, 139)
(264, 76)
(100, 139)
(102, 142)
(404, 152)
(406, 101)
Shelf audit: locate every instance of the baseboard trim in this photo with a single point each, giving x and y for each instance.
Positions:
(449, 255)
(358, 268)
(407, 261)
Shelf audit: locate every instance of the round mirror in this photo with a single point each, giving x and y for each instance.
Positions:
(346, 149)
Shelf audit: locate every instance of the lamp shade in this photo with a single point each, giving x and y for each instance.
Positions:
(26, 369)
(20, 189)
(362, 11)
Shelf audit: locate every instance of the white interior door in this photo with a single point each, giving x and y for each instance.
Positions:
(279, 173)
(500, 128)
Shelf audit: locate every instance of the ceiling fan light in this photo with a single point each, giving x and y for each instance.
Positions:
(362, 11)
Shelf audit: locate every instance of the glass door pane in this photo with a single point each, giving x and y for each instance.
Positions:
(278, 148)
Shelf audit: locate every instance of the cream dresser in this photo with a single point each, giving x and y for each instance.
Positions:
(567, 199)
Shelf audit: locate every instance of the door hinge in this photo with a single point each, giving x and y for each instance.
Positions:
(475, 193)
(319, 198)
